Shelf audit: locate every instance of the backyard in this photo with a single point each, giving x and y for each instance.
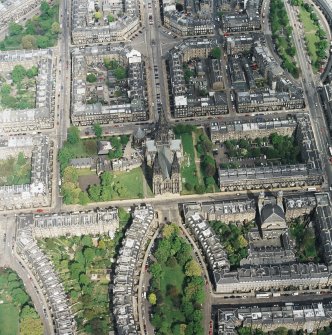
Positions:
(259, 151)
(83, 264)
(233, 238)
(306, 247)
(39, 32)
(15, 170)
(18, 88)
(17, 314)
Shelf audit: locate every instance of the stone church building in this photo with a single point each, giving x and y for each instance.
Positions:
(164, 153)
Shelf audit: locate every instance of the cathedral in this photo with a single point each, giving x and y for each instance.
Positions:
(163, 153)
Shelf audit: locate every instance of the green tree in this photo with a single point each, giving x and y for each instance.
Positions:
(110, 18)
(84, 279)
(29, 42)
(215, 53)
(73, 135)
(5, 89)
(43, 42)
(44, 7)
(192, 268)
(28, 312)
(83, 198)
(89, 254)
(19, 296)
(152, 298)
(14, 29)
(18, 73)
(91, 78)
(55, 28)
(98, 15)
(97, 129)
(86, 241)
(120, 73)
(156, 270)
(32, 72)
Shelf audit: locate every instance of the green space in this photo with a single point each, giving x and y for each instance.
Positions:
(233, 238)
(20, 93)
(315, 36)
(17, 314)
(15, 170)
(39, 32)
(176, 290)
(83, 264)
(198, 166)
(281, 331)
(118, 71)
(75, 147)
(282, 36)
(306, 246)
(275, 148)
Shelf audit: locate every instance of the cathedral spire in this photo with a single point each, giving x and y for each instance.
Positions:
(156, 165)
(175, 168)
(162, 129)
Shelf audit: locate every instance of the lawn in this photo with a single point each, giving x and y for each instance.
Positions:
(310, 30)
(188, 168)
(9, 319)
(129, 185)
(15, 170)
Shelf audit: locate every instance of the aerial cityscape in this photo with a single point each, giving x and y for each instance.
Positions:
(165, 167)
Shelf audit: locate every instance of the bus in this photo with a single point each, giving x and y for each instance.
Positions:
(263, 295)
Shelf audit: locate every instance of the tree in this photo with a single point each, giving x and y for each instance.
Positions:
(209, 166)
(97, 129)
(14, 29)
(120, 73)
(19, 296)
(192, 268)
(156, 270)
(86, 241)
(55, 28)
(73, 135)
(91, 78)
(44, 7)
(152, 298)
(70, 174)
(169, 230)
(28, 312)
(32, 72)
(98, 15)
(42, 42)
(5, 89)
(83, 279)
(18, 73)
(29, 326)
(215, 53)
(110, 18)
(83, 198)
(29, 42)
(89, 254)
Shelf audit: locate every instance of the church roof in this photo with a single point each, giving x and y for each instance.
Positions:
(272, 213)
(139, 133)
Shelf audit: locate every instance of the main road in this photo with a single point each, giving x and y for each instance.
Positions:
(313, 105)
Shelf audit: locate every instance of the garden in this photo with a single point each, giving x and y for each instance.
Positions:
(233, 238)
(303, 233)
(84, 265)
(41, 31)
(18, 88)
(15, 170)
(282, 36)
(260, 151)
(17, 314)
(176, 291)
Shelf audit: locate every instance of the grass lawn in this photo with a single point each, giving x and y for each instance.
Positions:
(15, 172)
(188, 168)
(173, 276)
(310, 34)
(9, 319)
(129, 185)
